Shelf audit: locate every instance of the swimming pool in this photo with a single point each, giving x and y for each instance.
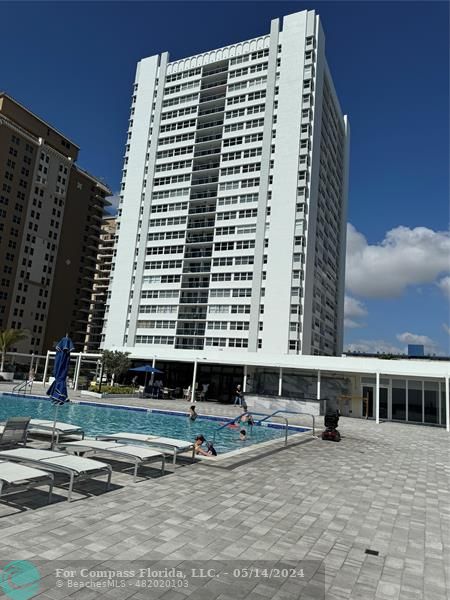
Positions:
(101, 419)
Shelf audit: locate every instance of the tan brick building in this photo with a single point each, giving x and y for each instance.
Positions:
(50, 219)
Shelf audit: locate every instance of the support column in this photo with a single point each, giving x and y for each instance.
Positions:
(77, 372)
(152, 378)
(194, 378)
(447, 403)
(244, 385)
(318, 385)
(377, 399)
(280, 382)
(47, 358)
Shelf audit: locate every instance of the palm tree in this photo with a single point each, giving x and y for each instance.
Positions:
(9, 337)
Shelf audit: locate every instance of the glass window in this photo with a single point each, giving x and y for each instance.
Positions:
(431, 402)
(415, 401)
(300, 386)
(398, 400)
(266, 382)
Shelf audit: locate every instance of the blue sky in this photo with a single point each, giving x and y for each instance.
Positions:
(74, 65)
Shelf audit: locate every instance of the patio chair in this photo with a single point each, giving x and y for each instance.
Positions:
(167, 445)
(138, 455)
(76, 468)
(44, 427)
(17, 478)
(14, 432)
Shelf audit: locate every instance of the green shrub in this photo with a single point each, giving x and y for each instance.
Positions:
(113, 389)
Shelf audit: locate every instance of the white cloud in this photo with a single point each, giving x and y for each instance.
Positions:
(353, 310)
(115, 199)
(412, 338)
(405, 257)
(444, 286)
(446, 328)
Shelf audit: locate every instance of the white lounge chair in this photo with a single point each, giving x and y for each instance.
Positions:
(45, 427)
(75, 467)
(168, 445)
(17, 478)
(14, 432)
(135, 454)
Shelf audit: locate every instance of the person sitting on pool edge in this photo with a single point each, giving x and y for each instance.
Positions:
(211, 450)
(192, 413)
(199, 440)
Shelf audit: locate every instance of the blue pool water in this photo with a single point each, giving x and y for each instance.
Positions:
(97, 420)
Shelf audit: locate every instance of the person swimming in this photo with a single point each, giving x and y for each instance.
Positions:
(243, 435)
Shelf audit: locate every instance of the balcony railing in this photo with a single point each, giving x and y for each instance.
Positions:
(215, 71)
(202, 209)
(213, 84)
(196, 270)
(202, 195)
(198, 300)
(211, 98)
(209, 124)
(208, 138)
(207, 152)
(194, 316)
(211, 111)
(206, 166)
(199, 239)
(190, 332)
(201, 224)
(204, 180)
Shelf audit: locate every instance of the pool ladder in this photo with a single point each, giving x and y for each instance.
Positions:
(25, 386)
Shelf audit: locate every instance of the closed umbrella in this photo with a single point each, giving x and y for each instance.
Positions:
(58, 389)
(146, 369)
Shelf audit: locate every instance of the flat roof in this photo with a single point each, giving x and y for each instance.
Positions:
(6, 95)
(328, 364)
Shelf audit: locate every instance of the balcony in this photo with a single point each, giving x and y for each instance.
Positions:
(208, 138)
(203, 195)
(205, 224)
(202, 209)
(198, 254)
(204, 180)
(191, 332)
(192, 316)
(211, 111)
(213, 84)
(212, 97)
(199, 239)
(209, 124)
(194, 300)
(197, 269)
(198, 153)
(206, 166)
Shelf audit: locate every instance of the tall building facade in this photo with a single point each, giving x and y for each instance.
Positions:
(50, 217)
(101, 283)
(232, 220)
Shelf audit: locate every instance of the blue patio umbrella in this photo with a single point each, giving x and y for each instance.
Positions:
(58, 389)
(146, 369)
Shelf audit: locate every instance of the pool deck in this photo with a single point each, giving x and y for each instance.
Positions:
(385, 488)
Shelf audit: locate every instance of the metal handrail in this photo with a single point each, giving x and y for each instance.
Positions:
(23, 385)
(231, 421)
(292, 412)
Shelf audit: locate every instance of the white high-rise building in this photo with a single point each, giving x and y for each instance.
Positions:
(232, 220)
